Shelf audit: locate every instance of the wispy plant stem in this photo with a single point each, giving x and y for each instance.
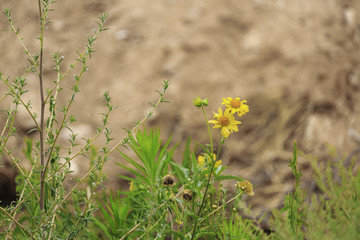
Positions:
(21, 171)
(220, 207)
(42, 110)
(21, 101)
(31, 58)
(208, 127)
(23, 229)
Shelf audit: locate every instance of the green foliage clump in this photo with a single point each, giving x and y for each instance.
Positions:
(171, 199)
(331, 213)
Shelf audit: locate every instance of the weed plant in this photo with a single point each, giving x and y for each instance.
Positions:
(45, 209)
(331, 213)
(167, 199)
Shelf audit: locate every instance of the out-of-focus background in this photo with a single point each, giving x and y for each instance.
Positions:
(296, 62)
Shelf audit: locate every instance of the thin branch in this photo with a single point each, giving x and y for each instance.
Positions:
(22, 102)
(19, 203)
(64, 199)
(21, 171)
(138, 225)
(31, 59)
(131, 230)
(17, 223)
(220, 207)
(42, 111)
(60, 79)
(134, 128)
(122, 141)
(60, 129)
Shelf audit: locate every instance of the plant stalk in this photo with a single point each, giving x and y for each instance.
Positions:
(210, 175)
(42, 111)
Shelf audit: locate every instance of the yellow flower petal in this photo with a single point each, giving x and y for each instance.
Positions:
(201, 161)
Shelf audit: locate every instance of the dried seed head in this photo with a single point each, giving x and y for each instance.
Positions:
(246, 187)
(187, 195)
(169, 180)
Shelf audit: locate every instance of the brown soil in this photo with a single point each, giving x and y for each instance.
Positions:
(296, 62)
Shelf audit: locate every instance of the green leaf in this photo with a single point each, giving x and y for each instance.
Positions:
(180, 170)
(177, 235)
(187, 154)
(228, 177)
(135, 164)
(137, 174)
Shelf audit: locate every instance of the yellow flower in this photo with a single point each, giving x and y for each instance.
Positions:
(226, 122)
(245, 186)
(131, 187)
(236, 106)
(202, 160)
(218, 163)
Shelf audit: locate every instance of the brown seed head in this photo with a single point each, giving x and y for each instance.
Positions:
(169, 180)
(187, 195)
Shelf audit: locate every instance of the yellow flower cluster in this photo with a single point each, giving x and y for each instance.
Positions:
(206, 158)
(226, 120)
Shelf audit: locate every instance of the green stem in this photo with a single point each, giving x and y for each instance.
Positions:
(220, 207)
(21, 227)
(208, 126)
(222, 140)
(22, 102)
(207, 185)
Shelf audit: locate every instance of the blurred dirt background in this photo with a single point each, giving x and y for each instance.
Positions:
(296, 62)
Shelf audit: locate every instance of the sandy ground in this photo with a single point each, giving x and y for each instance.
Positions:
(296, 62)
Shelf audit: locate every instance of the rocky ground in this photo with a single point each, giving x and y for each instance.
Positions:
(296, 63)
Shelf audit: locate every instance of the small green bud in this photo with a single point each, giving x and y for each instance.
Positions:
(198, 102)
(205, 102)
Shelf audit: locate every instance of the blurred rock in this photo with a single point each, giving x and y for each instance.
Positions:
(122, 34)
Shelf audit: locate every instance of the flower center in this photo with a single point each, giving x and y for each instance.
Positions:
(224, 121)
(235, 103)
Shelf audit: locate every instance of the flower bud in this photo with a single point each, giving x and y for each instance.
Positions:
(205, 102)
(198, 102)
